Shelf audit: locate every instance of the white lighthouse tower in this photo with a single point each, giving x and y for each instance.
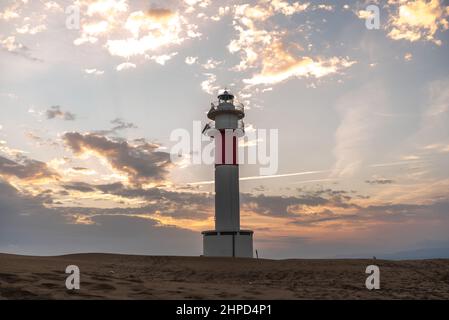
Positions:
(227, 240)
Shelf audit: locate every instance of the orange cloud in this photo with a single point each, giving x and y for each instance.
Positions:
(129, 33)
(262, 47)
(27, 170)
(279, 65)
(418, 20)
(141, 163)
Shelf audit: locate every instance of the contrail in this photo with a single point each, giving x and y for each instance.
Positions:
(398, 163)
(264, 177)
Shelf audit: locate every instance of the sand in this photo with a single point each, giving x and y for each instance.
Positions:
(113, 276)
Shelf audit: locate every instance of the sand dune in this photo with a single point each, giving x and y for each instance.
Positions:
(112, 276)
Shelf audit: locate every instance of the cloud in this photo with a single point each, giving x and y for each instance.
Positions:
(191, 60)
(126, 33)
(106, 7)
(99, 17)
(151, 20)
(28, 29)
(278, 206)
(279, 65)
(438, 104)
(293, 206)
(355, 135)
(288, 9)
(52, 6)
(433, 132)
(408, 56)
(319, 217)
(10, 151)
(125, 66)
(211, 64)
(56, 112)
(11, 12)
(389, 214)
(308, 208)
(264, 10)
(119, 125)
(94, 71)
(264, 47)
(438, 147)
(379, 181)
(40, 140)
(11, 45)
(199, 205)
(26, 169)
(141, 163)
(162, 59)
(152, 201)
(209, 85)
(28, 227)
(151, 30)
(78, 186)
(364, 14)
(418, 20)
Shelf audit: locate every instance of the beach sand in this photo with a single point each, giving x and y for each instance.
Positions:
(115, 276)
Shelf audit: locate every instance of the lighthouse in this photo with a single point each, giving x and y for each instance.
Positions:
(226, 126)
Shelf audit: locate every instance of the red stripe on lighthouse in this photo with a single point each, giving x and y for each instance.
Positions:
(234, 150)
(223, 147)
(227, 147)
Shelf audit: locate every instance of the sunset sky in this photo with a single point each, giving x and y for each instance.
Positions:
(86, 116)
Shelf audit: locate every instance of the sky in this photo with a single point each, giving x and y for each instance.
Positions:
(87, 111)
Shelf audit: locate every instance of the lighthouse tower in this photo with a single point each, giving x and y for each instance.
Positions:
(227, 240)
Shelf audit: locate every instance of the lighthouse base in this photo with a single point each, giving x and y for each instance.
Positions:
(228, 243)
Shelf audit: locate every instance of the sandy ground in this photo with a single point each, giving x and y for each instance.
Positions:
(109, 276)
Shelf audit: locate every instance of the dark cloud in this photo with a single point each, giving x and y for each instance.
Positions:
(78, 186)
(80, 168)
(40, 140)
(28, 227)
(119, 124)
(386, 213)
(379, 181)
(282, 206)
(315, 218)
(111, 188)
(276, 205)
(199, 205)
(141, 163)
(195, 206)
(159, 13)
(12, 46)
(56, 112)
(26, 169)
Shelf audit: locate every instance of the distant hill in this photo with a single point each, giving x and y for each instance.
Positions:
(418, 254)
(428, 253)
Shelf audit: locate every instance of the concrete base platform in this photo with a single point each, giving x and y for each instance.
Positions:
(228, 243)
